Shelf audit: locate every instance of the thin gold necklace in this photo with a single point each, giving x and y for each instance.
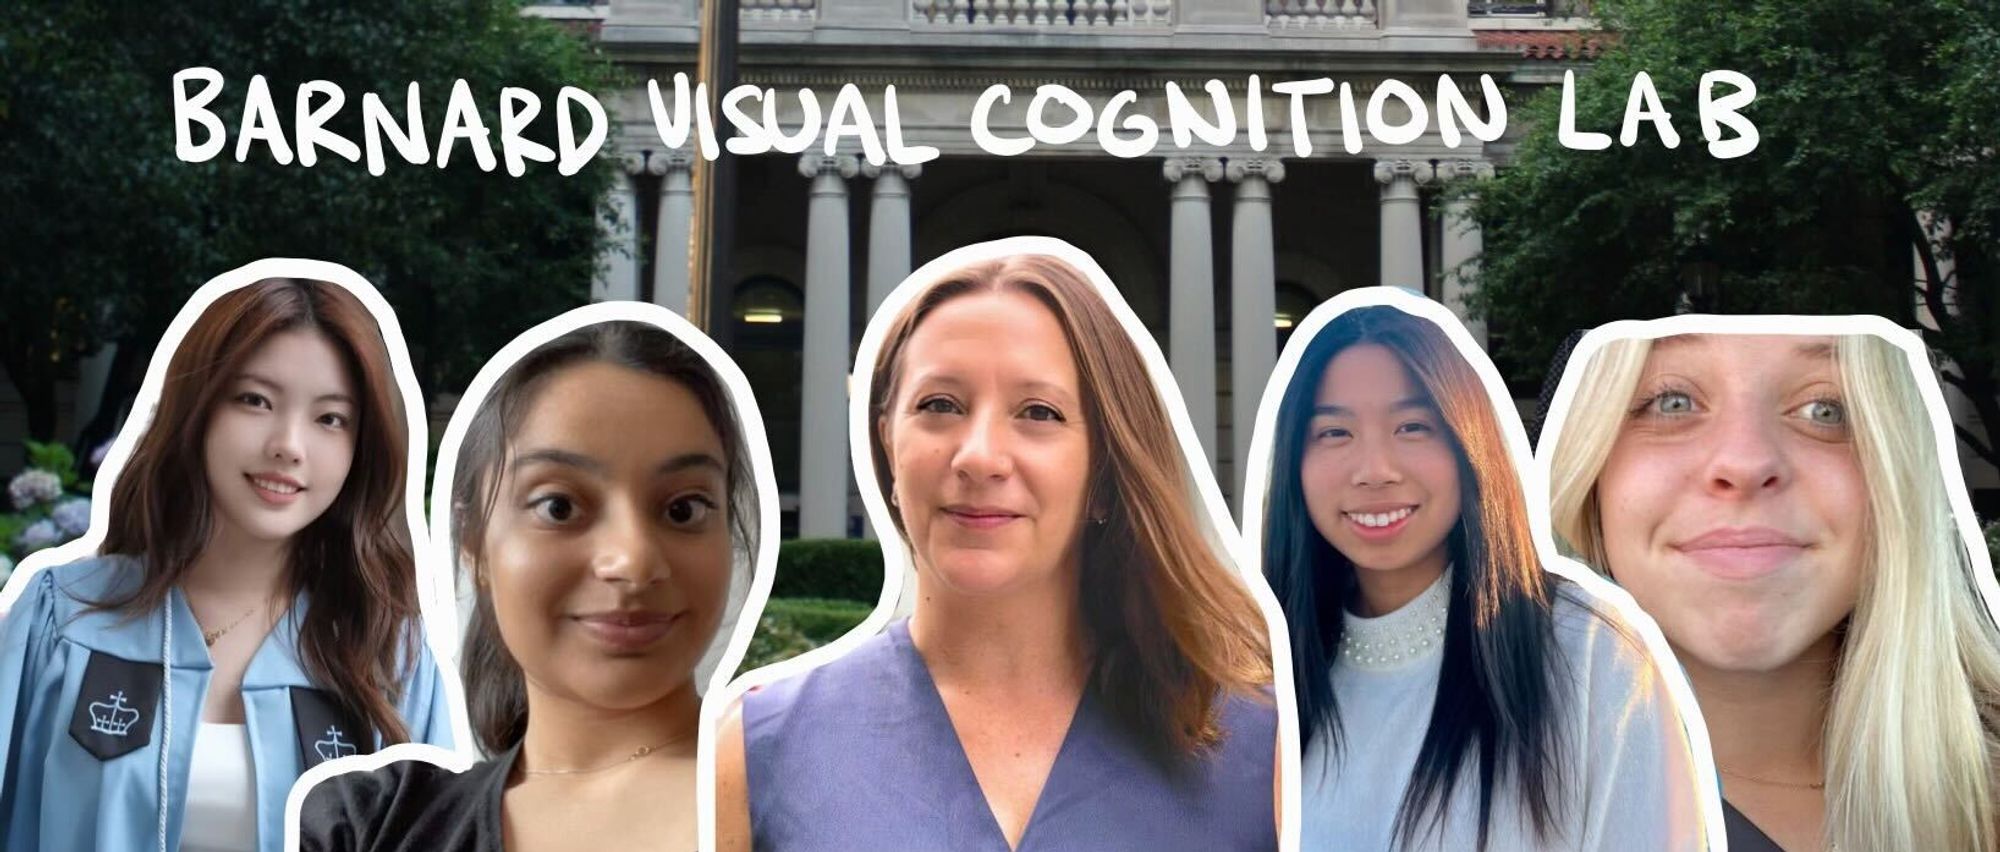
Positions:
(1808, 785)
(209, 637)
(642, 751)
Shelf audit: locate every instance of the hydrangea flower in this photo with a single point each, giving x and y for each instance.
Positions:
(72, 516)
(40, 534)
(32, 486)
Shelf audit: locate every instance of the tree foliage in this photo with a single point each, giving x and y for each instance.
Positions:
(107, 232)
(1868, 112)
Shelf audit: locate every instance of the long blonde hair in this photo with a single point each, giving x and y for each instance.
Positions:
(1913, 724)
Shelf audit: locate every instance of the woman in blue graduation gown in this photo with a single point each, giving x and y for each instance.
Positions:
(254, 613)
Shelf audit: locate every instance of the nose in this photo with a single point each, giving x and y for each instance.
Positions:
(1747, 454)
(1377, 464)
(985, 451)
(626, 550)
(285, 443)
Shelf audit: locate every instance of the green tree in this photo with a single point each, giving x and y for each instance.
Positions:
(106, 232)
(1869, 112)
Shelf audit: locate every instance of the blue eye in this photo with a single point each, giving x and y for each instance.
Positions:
(1669, 403)
(1823, 412)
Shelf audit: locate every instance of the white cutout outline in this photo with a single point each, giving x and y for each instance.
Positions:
(1221, 532)
(436, 614)
(442, 552)
(1534, 487)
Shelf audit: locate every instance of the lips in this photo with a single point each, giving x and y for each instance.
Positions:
(1379, 522)
(627, 630)
(1742, 553)
(980, 517)
(276, 489)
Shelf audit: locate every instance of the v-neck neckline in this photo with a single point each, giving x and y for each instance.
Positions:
(1078, 722)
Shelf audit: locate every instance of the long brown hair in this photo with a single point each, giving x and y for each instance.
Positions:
(1170, 625)
(495, 689)
(359, 633)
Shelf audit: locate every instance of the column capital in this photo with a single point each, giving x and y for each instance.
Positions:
(1271, 169)
(670, 161)
(1177, 168)
(1389, 171)
(1449, 171)
(908, 171)
(633, 163)
(842, 165)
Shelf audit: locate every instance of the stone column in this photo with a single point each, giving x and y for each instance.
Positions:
(618, 265)
(1402, 222)
(1461, 243)
(823, 461)
(888, 229)
(1191, 292)
(670, 237)
(1253, 305)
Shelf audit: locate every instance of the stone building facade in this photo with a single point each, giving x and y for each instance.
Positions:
(1218, 248)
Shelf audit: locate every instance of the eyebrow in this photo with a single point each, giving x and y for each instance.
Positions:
(567, 458)
(1809, 349)
(274, 386)
(1404, 404)
(1039, 386)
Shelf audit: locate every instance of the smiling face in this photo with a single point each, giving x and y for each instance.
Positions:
(987, 444)
(1380, 472)
(607, 554)
(281, 438)
(1732, 504)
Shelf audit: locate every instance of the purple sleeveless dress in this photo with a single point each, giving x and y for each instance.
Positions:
(860, 755)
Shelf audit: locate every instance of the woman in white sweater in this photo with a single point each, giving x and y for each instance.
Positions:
(1452, 694)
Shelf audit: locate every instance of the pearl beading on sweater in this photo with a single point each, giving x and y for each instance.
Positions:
(1409, 633)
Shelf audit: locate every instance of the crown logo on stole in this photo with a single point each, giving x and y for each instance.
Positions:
(114, 718)
(333, 747)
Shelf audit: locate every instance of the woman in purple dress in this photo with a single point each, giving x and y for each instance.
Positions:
(1084, 668)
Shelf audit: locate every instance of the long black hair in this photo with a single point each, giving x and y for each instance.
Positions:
(1496, 706)
(495, 691)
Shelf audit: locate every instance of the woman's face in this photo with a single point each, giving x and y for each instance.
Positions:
(608, 554)
(987, 443)
(1732, 503)
(1380, 472)
(281, 438)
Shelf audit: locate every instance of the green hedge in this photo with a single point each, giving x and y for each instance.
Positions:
(837, 568)
(792, 626)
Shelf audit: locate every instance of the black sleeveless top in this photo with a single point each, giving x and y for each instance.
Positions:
(407, 806)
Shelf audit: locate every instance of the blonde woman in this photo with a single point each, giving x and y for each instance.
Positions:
(1776, 502)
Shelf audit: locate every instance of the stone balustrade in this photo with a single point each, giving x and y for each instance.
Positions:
(1319, 14)
(1054, 14)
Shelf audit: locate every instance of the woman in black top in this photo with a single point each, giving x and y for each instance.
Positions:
(601, 502)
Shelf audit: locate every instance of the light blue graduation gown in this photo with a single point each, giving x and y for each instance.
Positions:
(56, 794)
